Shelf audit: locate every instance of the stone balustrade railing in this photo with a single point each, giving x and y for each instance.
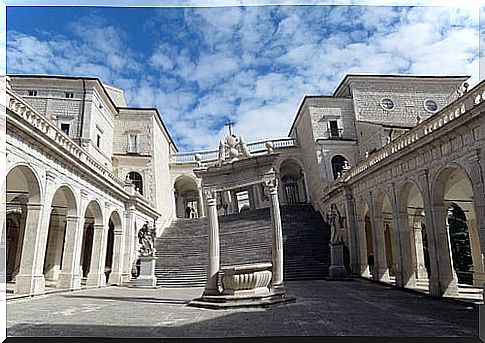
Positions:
(49, 129)
(254, 148)
(463, 104)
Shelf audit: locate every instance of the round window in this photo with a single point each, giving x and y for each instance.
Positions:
(387, 104)
(431, 106)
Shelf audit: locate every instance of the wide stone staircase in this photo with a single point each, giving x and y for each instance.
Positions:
(244, 238)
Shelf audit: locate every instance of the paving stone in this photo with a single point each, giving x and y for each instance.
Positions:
(323, 308)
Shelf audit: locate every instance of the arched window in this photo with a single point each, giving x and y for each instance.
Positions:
(338, 163)
(137, 180)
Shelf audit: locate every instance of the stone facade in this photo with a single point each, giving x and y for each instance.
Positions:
(87, 188)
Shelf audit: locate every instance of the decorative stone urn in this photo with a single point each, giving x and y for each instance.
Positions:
(248, 279)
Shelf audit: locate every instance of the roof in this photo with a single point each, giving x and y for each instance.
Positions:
(95, 79)
(349, 77)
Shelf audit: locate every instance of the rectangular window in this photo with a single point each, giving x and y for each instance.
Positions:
(32, 93)
(69, 95)
(65, 127)
(98, 140)
(334, 130)
(133, 143)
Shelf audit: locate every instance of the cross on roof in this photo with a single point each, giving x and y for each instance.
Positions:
(229, 124)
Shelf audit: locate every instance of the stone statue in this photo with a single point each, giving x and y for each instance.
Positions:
(235, 147)
(336, 225)
(146, 238)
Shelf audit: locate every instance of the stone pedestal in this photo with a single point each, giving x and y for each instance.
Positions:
(245, 285)
(337, 268)
(147, 278)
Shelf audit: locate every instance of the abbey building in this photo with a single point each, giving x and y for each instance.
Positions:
(399, 159)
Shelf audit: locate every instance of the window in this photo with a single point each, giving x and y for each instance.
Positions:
(431, 106)
(137, 180)
(32, 93)
(333, 127)
(133, 143)
(387, 104)
(338, 164)
(98, 140)
(65, 127)
(69, 95)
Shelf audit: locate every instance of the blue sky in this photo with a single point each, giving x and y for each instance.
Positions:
(254, 65)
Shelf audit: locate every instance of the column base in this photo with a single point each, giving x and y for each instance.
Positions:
(115, 278)
(53, 274)
(217, 302)
(125, 277)
(421, 273)
(381, 275)
(96, 279)
(69, 281)
(449, 290)
(30, 284)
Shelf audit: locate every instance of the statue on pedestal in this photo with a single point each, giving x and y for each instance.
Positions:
(335, 221)
(234, 147)
(146, 238)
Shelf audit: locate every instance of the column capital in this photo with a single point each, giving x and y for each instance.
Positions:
(31, 206)
(271, 185)
(70, 218)
(210, 194)
(98, 226)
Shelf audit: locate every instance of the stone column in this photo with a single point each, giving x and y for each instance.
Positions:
(421, 272)
(251, 198)
(96, 276)
(30, 279)
(477, 175)
(405, 276)
(307, 193)
(352, 229)
(478, 272)
(363, 268)
(442, 280)
(277, 234)
(213, 265)
(174, 203)
(201, 202)
(54, 247)
(381, 271)
(69, 277)
(129, 242)
(115, 277)
(235, 205)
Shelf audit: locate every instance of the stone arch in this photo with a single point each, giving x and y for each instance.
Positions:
(113, 258)
(93, 217)
(385, 217)
(293, 181)
(453, 199)
(186, 194)
(338, 162)
(413, 235)
(23, 195)
(63, 205)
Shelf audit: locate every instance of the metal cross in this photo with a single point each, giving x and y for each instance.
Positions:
(229, 124)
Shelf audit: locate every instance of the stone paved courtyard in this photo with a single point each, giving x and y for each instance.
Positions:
(326, 308)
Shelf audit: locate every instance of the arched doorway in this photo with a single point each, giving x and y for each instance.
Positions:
(63, 205)
(385, 236)
(364, 238)
(23, 213)
(369, 245)
(92, 217)
(453, 203)
(293, 184)
(112, 248)
(187, 204)
(338, 164)
(413, 239)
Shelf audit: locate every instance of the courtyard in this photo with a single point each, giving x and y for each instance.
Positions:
(323, 308)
